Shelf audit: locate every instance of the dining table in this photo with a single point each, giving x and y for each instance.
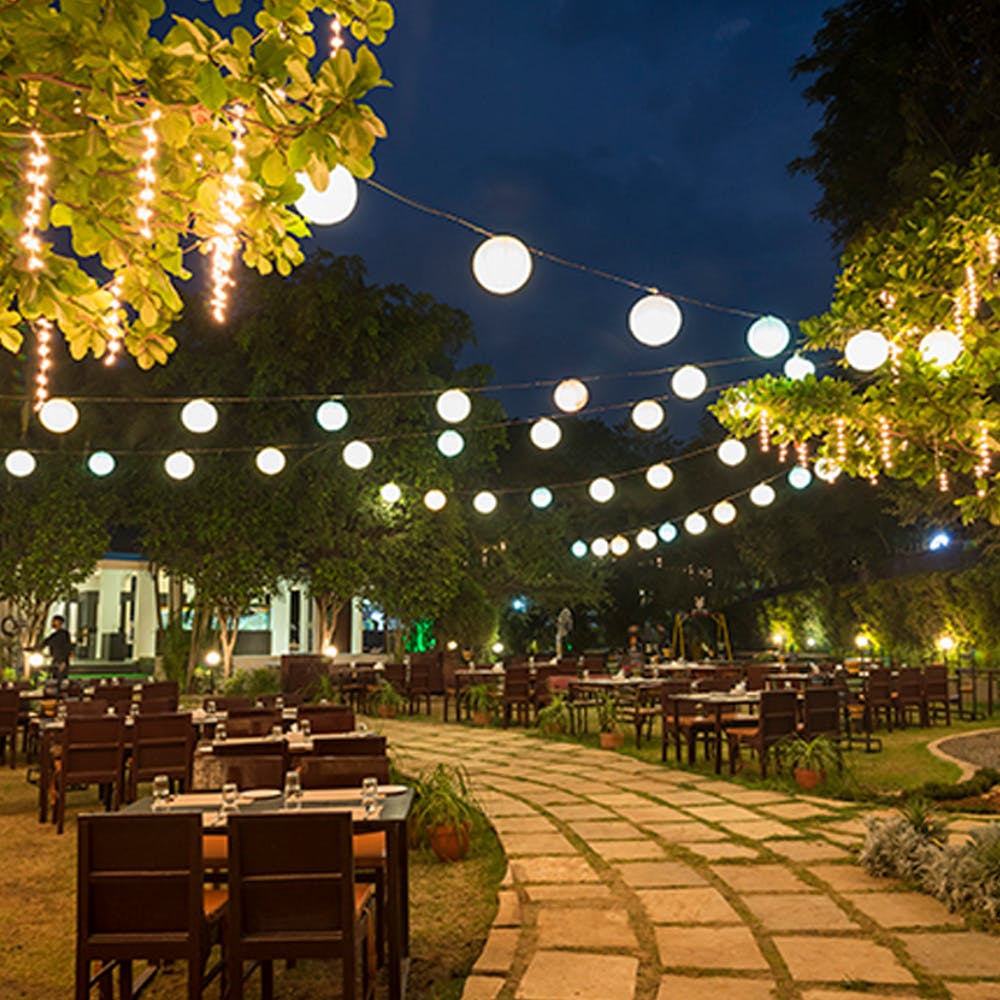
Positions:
(390, 818)
(716, 702)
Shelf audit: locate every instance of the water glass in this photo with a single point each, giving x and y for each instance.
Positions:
(161, 792)
(220, 732)
(362, 727)
(134, 710)
(210, 707)
(276, 731)
(230, 794)
(306, 726)
(369, 795)
(293, 790)
(279, 702)
(111, 710)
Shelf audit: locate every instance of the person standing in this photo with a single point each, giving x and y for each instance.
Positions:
(60, 647)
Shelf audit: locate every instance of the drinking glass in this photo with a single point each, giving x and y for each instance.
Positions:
(210, 707)
(134, 710)
(279, 702)
(161, 792)
(293, 790)
(306, 726)
(230, 794)
(362, 727)
(111, 710)
(220, 732)
(369, 795)
(276, 731)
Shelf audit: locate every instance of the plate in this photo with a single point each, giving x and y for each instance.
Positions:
(261, 793)
(393, 789)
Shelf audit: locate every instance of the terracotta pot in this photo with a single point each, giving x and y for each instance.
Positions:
(480, 718)
(612, 741)
(387, 711)
(448, 843)
(808, 779)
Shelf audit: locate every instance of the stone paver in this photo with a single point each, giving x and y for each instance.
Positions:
(709, 948)
(795, 810)
(721, 850)
(482, 987)
(604, 829)
(850, 878)
(506, 825)
(687, 831)
(761, 878)
(573, 893)
(498, 952)
(561, 975)
(809, 850)
(585, 810)
(834, 959)
(958, 954)
(799, 911)
(905, 909)
(722, 813)
(580, 927)
(687, 906)
(762, 829)
(558, 869)
(659, 874)
(537, 843)
(508, 909)
(719, 987)
(626, 850)
(975, 991)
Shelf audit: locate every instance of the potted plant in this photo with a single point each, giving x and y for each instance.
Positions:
(385, 700)
(611, 734)
(481, 700)
(444, 811)
(812, 759)
(553, 720)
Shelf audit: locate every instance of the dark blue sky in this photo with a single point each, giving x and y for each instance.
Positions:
(645, 137)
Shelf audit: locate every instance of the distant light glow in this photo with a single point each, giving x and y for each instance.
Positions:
(689, 382)
(332, 415)
(799, 478)
(213, 658)
(731, 452)
(484, 502)
(866, 351)
(619, 546)
(331, 205)
(862, 641)
(940, 348)
(941, 540)
(450, 443)
(724, 512)
(541, 497)
(330, 652)
(58, 415)
(945, 643)
(179, 465)
(798, 368)
(647, 414)
(667, 532)
(762, 495)
(20, 463)
(600, 547)
(659, 476)
(390, 493)
(767, 336)
(435, 500)
(519, 604)
(497, 648)
(270, 461)
(601, 490)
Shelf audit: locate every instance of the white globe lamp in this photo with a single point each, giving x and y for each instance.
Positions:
(797, 368)
(541, 497)
(502, 264)
(545, 434)
(799, 478)
(724, 512)
(866, 351)
(20, 463)
(695, 524)
(453, 406)
(179, 465)
(827, 470)
(646, 539)
(659, 476)
(619, 546)
(647, 415)
(571, 395)
(331, 205)
(199, 416)
(101, 463)
(435, 500)
(390, 493)
(332, 415)
(270, 461)
(600, 547)
(940, 348)
(667, 532)
(450, 443)
(689, 382)
(731, 452)
(484, 502)
(58, 415)
(601, 490)
(655, 320)
(579, 548)
(357, 455)
(767, 336)
(762, 495)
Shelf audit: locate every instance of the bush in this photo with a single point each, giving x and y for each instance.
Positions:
(254, 684)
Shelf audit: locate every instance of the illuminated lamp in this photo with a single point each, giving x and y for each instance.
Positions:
(450, 443)
(866, 351)
(331, 205)
(655, 320)
(762, 495)
(601, 490)
(647, 414)
(390, 493)
(689, 382)
(545, 434)
(799, 478)
(357, 455)
(797, 368)
(453, 406)
(58, 415)
(20, 463)
(434, 500)
(646, 539)
(541, 497)
(179, 465)
(270, 461)
(695, 524)
(332, 415)
(101, 463)
(484, 502)
(600, 547)
(724, 512)
(939, 348)
(659, 476)
(501, 264)
(731, 452)
(767, 336)
(619, 546)
(571, 395)
(667, 532)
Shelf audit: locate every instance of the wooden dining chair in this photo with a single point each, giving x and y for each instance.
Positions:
(141, 896)
(779, 711)
(821, 713)
(936, 694)
(10, 705)
(160, 692)
(450, 663)
(227, 702)
(95, 706)
(328, 718)
(517, 694)
(92, 751)
(161, 744)
(242, 722)
(418, 685)
(342, 771)
(292, 895)
(878, 697)
(255, 770)
(909, 698)
(332, 745)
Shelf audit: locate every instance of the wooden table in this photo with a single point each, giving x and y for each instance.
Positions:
(719, 700)
(390, 820)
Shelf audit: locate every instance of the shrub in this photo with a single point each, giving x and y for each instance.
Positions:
(254, 684)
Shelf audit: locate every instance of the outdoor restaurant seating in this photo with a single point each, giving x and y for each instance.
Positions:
(682, 723)
(161, 744)
(449, 685)
(342, 771)
(10, 703)
(227, 703)
(821, 713)
(91, 752)
(517, 694)
(777, 721)
(418, 685)
(328, 718)
(124, 862)
(909, 696)
(255, 770)
(292, 895)
(348, 745)
(877, 696)
(95, 706)
(936, 694)
(251, 721)
(159, 692)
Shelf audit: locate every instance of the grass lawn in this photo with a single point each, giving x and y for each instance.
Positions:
(451, 908)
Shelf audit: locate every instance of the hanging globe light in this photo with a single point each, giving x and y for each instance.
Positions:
(390, 493)
(798, 367)
(762, 495)
(866, 351)
(450, 443)
(357, 455)
(724, 512)
(599, 547)
(199, 416)
(571, 395)
(647, 414)
(484, 502)
(646, 539)
(332, 415)
(453, 406)
(58, 415)
(689, 382)
(731, 452)
(827, 470)
(601, 490)
(502, 264)
(767, 336)
(179, 465)
(799, 478)
(619, 546)
(270, 461)
(545, 434)
(695, 524)
(101, 463)
(541, 497)
(654, 320)
(659, 476)
(20, 463)
(435, 500)
(331, 205)
(667, 532)
(579, 548)
(939, 348)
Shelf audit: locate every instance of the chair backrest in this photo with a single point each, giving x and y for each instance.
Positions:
(93, 749)
(821, 708)
(517, 682)
(328, 718)
(756, 675)
(139, 883)
(878, 685)
(395, 674)
(252, 721)
(10, 704)
(713, 683)
(342, 771)
(331, 745)
(594, 663)
(96, 706)
(227, 703)
(157, 706)
(420, 674)
(291, 887)
(910, 684)
(119, 695)
(255, 770)
(162, 744)
(936, 682)
(779, 713)
(160, 692)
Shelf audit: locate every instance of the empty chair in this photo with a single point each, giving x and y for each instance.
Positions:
(292, 895)
(117, 696)
(449, 684)
(755, 675)
(226, 703)
(778, 719)
(364, 745)
(683, 723)
(418, 686)
(141, 896)
(541, 692)
(96, 706)
(157, 706)
(395, 674)
(252, 721)
(161, 744)
(328, 718)
(160, 692)
(936, 694)
(878, 697)
(342, 772)
(91, 752)
(10, 703)
(821, 711)
(517, 694)
(910, 696)
(255, 770)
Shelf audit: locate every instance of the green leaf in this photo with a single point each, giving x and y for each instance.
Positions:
(228, 7)
(273, 169)
(210, 88)
(60, 214)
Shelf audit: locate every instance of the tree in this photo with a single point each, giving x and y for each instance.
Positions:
(110, 115)
(52, 533)
(905, 87)
(918, 416)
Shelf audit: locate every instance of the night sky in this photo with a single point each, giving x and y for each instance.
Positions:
(644, 137)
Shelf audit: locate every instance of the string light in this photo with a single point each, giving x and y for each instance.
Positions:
(43, 352)
(764, 435)
(225, 243)
(783, 452)
(112, 323)
(943, 480)
(895, 350)
(985, 459)
(147, 176)
(958, 316)
(993, 248)
(37, 178)
(336, 36)
(802, 453)
(971, 291)
(884, 443)
(841, 426)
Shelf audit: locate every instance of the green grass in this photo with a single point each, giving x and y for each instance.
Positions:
(451, 908)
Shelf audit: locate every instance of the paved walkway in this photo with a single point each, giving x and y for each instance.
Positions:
(630, 881)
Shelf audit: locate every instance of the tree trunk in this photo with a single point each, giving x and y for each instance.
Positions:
(200, 624)
(229, 627)
(328, 607)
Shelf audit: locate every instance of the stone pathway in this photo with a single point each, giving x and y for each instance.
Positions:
(631, 881)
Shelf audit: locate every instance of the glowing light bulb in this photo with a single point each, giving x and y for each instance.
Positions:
(579, 548)
(545, 434)
(827, 470)
(179, 465)
(695, 524)
(225, 243)
(450, 443)
(331, 205)
(332, 415)
(453, 406)
(689, 382)
(601, 490)
(646, 539)
(58, 416)
(731, 452)
(599, 547)
(667, 532)
(502, 264)
(37, 177)
(199, 416)
(571, 395)
(767, 336)
(146, 175)
(940, 348)
(724, 512)
(647, 415)
(659, 476)
(101, 463)
(866, 351)
(655, 320)
(20, 463)
(798, 368)
(619, 546)
(435, 500)
(762, 495)
(357, 455)
(541, 497)
(270, 461)
(484, 502)
(799, 478)
(390, 493)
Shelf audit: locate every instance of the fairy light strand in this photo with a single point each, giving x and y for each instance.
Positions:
(971, 291)
(43, 356)
(841, 429)
(885, 443)
(802, 453)
(147, 176)
(993, 248)
(336, 36)
(764, 435)
(114, 335)
(37, 177)
(225, 243)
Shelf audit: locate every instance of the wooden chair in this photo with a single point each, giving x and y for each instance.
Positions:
(255, 770)
(160, 692)
(418, 685)
(161, 744)
(342, 771)
(92, 751)
(395, 674)
(117, 696)
(936, 694)
(331, 745)
(328, 718)
(683, 724)
(541, 692)
(517, 694)
(10, 705)
(755, 675)
(910, 696)
(292, 895)
(449, 685)
(242, 722)
(778, 718)
(76, 709)
(227, 703)
(878, 697)
(141, 896)
(821, 713)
